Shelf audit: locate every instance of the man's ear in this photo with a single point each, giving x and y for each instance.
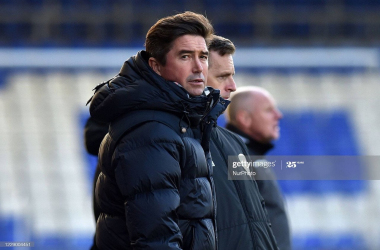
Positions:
(243, 118)
(155, 65)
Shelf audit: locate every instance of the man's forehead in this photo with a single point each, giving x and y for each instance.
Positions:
(219, 61)
(190, 43)
(267, 102)
(259, 99)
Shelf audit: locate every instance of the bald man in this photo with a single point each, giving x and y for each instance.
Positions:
(253, 114)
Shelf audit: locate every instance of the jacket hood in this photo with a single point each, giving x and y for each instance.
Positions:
(138, 87)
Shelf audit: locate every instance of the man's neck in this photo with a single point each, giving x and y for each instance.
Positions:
(258, 147)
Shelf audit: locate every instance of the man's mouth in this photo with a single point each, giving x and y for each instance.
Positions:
(226, 95)
(197, 81)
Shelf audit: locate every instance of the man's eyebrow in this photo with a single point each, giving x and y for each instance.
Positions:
(205, 52)
(186, 51)
(227, 73)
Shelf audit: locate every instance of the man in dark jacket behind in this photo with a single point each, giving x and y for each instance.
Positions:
(242, 223)
(155, 189)
(254, 116)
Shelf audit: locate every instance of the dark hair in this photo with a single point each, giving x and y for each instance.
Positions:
(221, 45)
(160, 37)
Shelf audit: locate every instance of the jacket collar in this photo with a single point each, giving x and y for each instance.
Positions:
(252, 144)
(138, 87)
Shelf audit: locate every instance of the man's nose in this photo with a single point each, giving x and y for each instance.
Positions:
(231, 85)
(198, 66)
(279, 114)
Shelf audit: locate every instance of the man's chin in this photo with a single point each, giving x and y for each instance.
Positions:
(275, 137)
(196, 92)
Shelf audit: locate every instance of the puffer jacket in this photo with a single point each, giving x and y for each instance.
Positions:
(155, 190)
(269, 190)
(242, 218)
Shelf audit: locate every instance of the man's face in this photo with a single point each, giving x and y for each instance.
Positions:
(220, 74)
(265, 117)
(187, 64)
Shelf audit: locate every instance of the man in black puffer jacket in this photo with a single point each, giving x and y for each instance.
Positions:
(242, 220)
(241, 215)
(155, 189)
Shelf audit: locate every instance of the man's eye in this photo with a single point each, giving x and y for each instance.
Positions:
(204, 57)
(185, 56)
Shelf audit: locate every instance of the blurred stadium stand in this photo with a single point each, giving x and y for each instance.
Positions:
(247, 23)
(318, 58)
(46, 176)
